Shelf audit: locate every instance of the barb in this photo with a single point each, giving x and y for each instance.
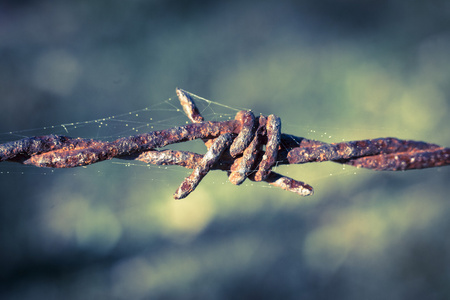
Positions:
(234, 146)
(241, 168)
(206, 163)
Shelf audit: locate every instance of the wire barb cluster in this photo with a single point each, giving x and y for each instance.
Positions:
(246, 147)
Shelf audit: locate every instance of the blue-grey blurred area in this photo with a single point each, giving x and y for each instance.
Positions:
(332, 70)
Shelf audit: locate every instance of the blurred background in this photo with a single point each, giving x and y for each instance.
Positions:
(332, 70)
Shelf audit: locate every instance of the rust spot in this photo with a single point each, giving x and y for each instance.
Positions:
(243, 166)
(246, 134)
(273, 140)
(211, 157)
(189, 106)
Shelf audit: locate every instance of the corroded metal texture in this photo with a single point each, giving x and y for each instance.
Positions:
(246, 149)
(415, 159)
(87, 153)
(289, 184)
(247, 119)
(211, 157)
(67, 156)
(242, 166)
(347, 150)
(190, 160)
(167, 157)
(273, 141)
(189, 106)
(25, 148)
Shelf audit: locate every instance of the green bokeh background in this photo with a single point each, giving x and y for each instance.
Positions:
(332, 70)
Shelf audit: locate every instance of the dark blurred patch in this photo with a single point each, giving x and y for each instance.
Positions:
(15, 4)
(349, 15)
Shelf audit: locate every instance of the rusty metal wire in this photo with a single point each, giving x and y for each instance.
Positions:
(246, 147)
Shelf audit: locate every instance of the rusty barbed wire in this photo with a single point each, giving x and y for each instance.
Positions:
(246, 147)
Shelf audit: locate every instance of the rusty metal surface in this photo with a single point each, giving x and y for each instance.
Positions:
(23, 149)
(211, 157)
(402, 161)
(248, 121)
(234, 146)
(63, 152)
(242, 166)
(353, 149)
(168, 157)
(289, 184)
(269, 158)
(189, 106)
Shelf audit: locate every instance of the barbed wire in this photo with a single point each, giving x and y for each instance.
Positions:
(246, 147)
